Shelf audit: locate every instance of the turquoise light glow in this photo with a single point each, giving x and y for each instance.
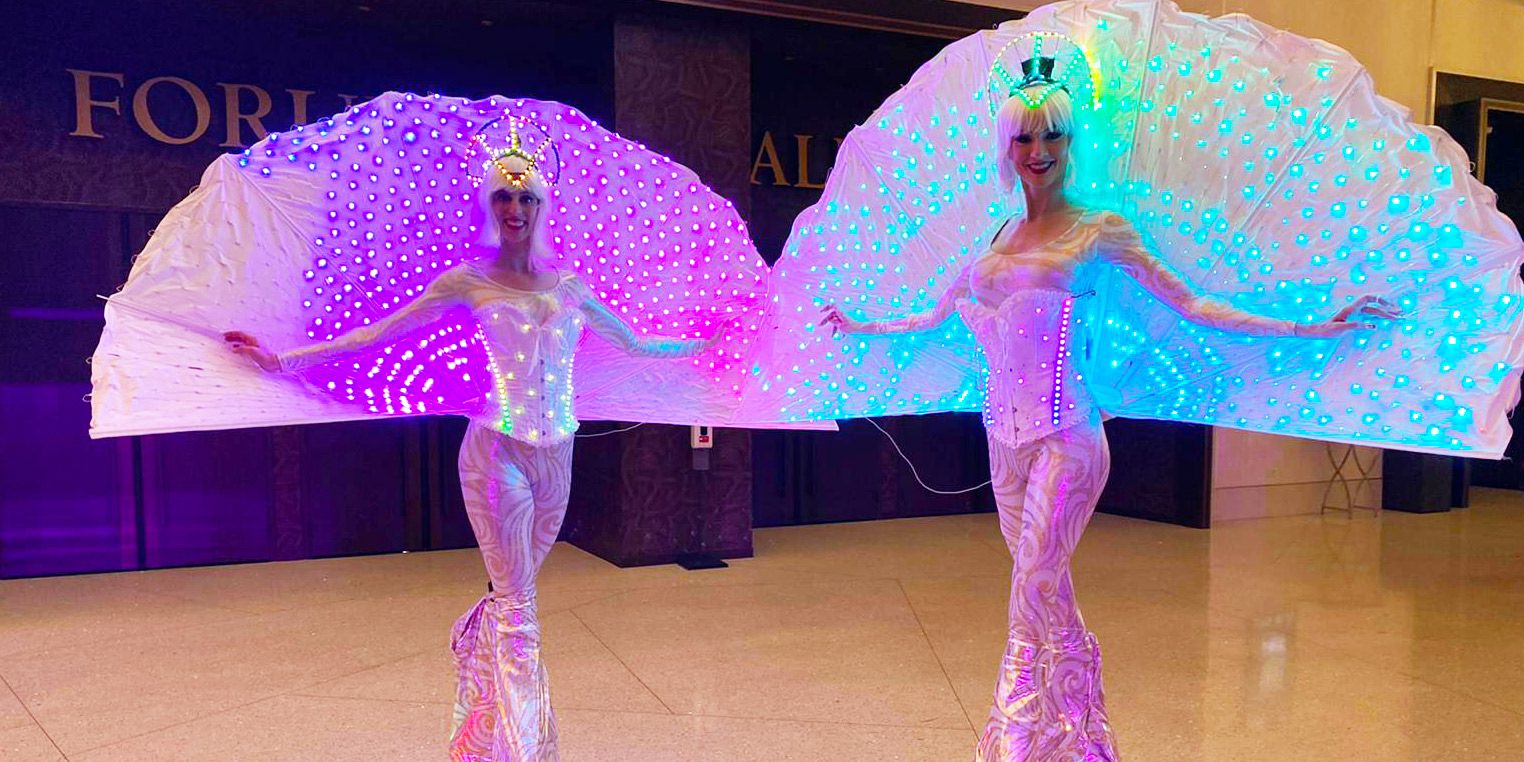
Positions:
(1266, 173)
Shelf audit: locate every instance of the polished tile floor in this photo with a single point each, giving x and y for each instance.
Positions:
(1307, 638)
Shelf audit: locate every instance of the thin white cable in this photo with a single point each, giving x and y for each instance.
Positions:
(913, 471)
(606, 433)
(917, 474)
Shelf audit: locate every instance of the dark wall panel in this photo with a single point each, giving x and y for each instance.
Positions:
(1160, 471)
(207, 497)
(810, 85)
(314, 56)
(354, 488)
(66, 502)
(75, 208)
(855, 474)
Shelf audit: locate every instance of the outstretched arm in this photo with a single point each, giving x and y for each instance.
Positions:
(436, 299)
(940, 312)
(608, 325)
(1121, 246)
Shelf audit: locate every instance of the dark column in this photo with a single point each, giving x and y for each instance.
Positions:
(1418, 482)
(684, 90)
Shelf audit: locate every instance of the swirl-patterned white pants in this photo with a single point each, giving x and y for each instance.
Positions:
(516, 496)
(1049, 705)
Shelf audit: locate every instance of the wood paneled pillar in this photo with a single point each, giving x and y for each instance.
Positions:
(683, 90)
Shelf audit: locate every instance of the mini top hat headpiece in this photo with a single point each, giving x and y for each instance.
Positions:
(1062, 67)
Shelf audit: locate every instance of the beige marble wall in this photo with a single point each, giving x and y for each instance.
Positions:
(1400, 41)
(1259, 475)
(1479, 37)
(1393, 38)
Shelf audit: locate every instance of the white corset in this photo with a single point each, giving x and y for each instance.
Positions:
(1032, 387)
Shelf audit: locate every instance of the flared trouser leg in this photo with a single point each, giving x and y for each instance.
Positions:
(1049, 704)
(515, 496)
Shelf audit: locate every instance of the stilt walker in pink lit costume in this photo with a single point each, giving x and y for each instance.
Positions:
(515, 462)
(434, 255)
(1217, 222)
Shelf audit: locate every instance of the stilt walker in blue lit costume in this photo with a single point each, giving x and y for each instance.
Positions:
(1217, 222)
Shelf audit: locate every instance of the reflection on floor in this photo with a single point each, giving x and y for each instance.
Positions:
(1399, 638)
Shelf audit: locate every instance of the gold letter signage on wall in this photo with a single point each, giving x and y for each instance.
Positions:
(802, 146)
(85, 103)
(236, 116)
(299, 105)
(767, 158)
(144, 116)
(161, 103)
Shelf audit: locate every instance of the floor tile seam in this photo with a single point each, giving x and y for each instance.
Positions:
(620, 659)
(29, 719)
(1416, 677)
(643, 713)
(260, 699)
(932, 647)
(1312, 483)
(114, 639)
(130, 593)
(308, 606)
(573, 609)
(747, 585)
(183, 721)
(691, 586)
(38, 723)
(825, 579)
(805, 572)
(361, 670)
(1004, 575)
(1463, 693)
(201, 602)
(325, 696)
(1161, 590)
(248, 615)
(808, 721)
(822, 578)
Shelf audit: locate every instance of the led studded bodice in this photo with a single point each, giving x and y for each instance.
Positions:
(1021, 311)
(1021, 308)
(531, 339)
(1032, 387)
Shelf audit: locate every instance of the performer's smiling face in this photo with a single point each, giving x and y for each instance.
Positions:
(1035, 141)
(515, 212)
(1040, 155)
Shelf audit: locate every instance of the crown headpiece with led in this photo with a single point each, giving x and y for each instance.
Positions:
(1048, 62)
(525, 153)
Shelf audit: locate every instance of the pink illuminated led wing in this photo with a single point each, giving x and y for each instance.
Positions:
(335, 226)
